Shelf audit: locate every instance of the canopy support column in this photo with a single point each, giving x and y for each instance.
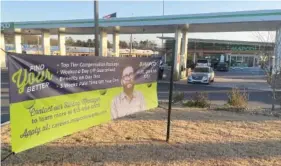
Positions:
(17, 40)
(277, 49)
(103, 43)
(184, 54)
(116, 43)
(177, 54)
(2, 53)
(46, 42)
(61, 38)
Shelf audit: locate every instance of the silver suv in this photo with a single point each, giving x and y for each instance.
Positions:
(202, 74)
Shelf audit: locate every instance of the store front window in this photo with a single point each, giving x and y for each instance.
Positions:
(242, 61)
(233, 61)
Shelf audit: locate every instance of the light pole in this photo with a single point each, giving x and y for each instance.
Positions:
(96, 7)
(38, 44)
(163, 35)
(163, 15)
(131, 44)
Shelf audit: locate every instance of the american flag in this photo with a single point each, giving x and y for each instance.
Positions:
(110, 16)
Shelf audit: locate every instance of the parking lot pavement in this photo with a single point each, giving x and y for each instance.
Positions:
(251, 80)
(248, 78)
(246, 83)
(242, 80)
(4, 97)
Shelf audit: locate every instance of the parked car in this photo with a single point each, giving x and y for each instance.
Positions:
(222, 66)
(214, 63)
(202, 74)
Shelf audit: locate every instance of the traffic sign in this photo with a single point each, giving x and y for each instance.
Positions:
(7, 26)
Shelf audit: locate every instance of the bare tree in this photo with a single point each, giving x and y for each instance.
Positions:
(268, 51)
(275, 83)
(266, 47)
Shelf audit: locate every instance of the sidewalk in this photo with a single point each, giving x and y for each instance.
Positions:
(182, 81)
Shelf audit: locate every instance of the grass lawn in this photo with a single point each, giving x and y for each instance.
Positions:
(197, 138)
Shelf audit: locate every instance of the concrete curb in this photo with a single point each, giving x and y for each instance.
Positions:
(163, 101)
(261, 89)
(168, 82)
(5, 123)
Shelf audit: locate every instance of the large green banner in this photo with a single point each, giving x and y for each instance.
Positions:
(54, 96)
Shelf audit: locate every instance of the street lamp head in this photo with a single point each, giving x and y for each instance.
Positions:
(185, 27)
(117, 28)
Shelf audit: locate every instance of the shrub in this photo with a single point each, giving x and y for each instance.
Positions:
(198, 100)
(230, 108)
(178, 97)
(237, 98)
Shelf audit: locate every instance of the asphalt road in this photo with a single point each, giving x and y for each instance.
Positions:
(217, 95)
(247, 79)
(5, 116)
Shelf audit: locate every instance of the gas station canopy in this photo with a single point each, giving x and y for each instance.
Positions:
(264, 20)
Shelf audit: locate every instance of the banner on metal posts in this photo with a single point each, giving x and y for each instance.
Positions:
(54, 96)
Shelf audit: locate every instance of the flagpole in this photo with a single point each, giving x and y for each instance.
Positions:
(131, 45)
(163, 34)
(38, 44)
(96, 14)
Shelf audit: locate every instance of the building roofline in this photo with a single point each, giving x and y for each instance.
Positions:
(222, 41)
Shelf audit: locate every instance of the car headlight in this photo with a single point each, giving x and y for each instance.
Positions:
(205, 77)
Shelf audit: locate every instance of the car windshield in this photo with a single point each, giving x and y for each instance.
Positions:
(201, 70)
(202, 61)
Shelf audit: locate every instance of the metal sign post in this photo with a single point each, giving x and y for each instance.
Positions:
(171, 92)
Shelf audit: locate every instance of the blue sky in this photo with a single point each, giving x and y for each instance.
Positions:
(64, 10)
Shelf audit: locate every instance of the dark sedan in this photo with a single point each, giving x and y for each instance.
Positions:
(222, 66)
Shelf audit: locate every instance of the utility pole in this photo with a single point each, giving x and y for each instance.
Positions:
(37, 44)
(131, 44)
(163, 15)
(96, 14)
